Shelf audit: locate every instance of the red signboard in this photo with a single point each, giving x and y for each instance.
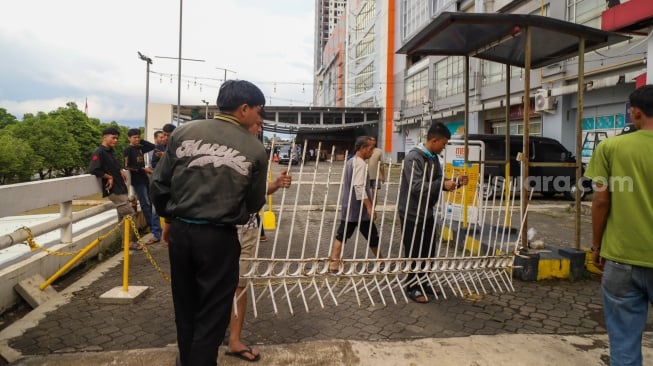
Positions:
(632, 15)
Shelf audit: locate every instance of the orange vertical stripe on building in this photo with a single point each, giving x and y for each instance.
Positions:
(389, 108)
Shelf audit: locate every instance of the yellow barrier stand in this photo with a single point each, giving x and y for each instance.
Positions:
(70, 263)
(125, 242)
(74, 260)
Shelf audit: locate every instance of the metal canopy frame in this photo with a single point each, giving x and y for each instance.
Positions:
(509, 39)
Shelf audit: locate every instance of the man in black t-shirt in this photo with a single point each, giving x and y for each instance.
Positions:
(162, 144)
(105, 165)
(135, 162)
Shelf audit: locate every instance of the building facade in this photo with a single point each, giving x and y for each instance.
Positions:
(328, 30)
(432, 88)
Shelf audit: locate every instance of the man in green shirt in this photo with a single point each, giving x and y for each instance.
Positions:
(622, 229)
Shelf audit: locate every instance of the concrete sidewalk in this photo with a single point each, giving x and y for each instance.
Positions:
(552, 323)
(506, 350)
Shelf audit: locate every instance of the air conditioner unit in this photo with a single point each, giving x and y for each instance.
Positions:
(543, 102)
(396, 116)
(396, 128)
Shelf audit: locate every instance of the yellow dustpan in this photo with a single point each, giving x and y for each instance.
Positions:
(269, 218)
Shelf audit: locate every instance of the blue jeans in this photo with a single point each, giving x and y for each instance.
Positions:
(627, 292)
(152, 219)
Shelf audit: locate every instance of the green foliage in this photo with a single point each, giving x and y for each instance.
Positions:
(17, 159)
(58, 143)
(6, 119)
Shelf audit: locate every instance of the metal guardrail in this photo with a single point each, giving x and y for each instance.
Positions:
(21, 197)
(21, 235)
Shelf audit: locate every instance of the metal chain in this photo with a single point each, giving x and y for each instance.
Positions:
(146, 251)
(33, 245)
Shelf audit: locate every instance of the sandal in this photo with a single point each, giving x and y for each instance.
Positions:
(241, 355)
(152, 240)
(417, 296)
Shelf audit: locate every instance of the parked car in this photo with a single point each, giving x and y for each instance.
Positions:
(285, 154)
(546, 180)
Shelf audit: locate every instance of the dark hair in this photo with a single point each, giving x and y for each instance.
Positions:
(361, 142)
(438, 130)
(111, 131)
(157, 133)
(234, 93)
(168, 127)
(642, 98)
(133, 132)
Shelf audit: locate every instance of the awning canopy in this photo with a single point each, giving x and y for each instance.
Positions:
(502, 38)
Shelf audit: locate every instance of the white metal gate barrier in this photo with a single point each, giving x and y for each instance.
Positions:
(293, 268)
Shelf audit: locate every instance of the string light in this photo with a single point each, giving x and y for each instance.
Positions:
(601, 61)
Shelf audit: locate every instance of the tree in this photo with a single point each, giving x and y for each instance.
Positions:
(56, 143)
(6, 119)
(86, 132)
(50, 141)
(17, 159)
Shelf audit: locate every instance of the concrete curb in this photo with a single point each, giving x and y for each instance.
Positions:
(505, 350)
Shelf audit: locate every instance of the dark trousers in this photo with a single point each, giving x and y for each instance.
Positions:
(204, 272)
(363, 227)
(416, 250)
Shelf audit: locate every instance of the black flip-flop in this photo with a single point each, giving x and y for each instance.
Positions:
(241, 354)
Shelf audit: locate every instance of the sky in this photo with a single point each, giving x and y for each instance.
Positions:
(54, 52)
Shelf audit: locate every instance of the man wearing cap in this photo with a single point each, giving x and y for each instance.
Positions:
(105, 165)
(210, 179)
(134, 156)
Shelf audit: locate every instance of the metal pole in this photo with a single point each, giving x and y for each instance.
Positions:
(181, 7)
(225, 73)
(508, 138)
(179, 59)
(206, 112)
(525, 162)
(125, 246)
(579, 124)
(466, 141)
(147, 94)
(68, 265)
(148, 62)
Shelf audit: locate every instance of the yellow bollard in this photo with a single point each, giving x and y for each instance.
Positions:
(70, 263)
(125, 241)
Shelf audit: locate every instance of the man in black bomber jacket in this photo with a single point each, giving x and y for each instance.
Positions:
(211, 178)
